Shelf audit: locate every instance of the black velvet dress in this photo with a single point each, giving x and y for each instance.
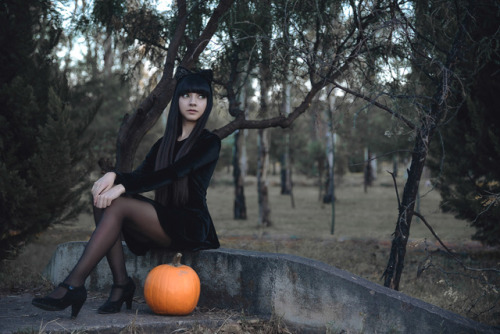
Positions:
(190, 227)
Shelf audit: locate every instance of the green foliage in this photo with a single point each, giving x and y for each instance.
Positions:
(43, 168)
(469, 181)
(108, 12)
(313, 162)
(468, 177)
(113, 96)
(43, 160)
(466, 163)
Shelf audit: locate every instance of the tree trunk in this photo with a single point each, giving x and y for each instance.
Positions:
(321, 170)
(135, 126)
(286, 169)
(265, 81)
(428, 123)
(286, 172)
(330, 156)
(108, 55)
(262, 168)
(395, 164)
(392, 274)
(367, 171)
(239, 162)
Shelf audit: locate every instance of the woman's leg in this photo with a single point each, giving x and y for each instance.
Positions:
(135, 215)
(116, 259)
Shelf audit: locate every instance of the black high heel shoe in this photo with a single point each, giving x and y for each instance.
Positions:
(75, 296)
(115, 306)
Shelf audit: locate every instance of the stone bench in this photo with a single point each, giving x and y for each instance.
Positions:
(306, 294)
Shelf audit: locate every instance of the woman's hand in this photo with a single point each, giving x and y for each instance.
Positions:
(103, 184)
(105, 199)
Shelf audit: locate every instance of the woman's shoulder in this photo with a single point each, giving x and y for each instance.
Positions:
(156, 145)
(158, 142)
(208, 135)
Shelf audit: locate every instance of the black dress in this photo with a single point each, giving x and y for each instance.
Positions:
(190, 227)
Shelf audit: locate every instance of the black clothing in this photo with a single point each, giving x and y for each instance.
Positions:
(190, 227)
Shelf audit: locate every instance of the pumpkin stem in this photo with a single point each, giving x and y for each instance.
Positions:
(177, 260)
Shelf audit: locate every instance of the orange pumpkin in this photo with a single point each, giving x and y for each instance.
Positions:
(172, 289)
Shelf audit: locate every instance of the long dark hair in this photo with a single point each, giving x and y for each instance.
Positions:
(177, 193)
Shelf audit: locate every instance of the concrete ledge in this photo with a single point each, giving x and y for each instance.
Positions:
(19, 316)
(307, 294)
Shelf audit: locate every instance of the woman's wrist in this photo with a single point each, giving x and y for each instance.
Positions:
(121, 188)
(111, 176)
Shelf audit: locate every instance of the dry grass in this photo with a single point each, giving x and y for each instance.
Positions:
(364, 223)
(357, 214)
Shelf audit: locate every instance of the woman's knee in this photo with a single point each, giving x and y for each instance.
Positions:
(117, 209)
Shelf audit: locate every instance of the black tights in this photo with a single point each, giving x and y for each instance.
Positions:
(138, 217)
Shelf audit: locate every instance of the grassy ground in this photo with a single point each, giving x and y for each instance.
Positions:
(360, 244)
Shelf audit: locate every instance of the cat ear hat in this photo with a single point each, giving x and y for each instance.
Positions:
(182, 72)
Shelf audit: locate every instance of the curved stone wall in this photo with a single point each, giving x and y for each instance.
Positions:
(306, 294)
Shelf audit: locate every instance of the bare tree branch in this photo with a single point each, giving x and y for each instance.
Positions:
(240, 122)
(449, 251)
(395, 188)
(197, 47)
(408, 123)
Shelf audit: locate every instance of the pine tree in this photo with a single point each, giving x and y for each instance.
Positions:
(43, 159)
(468, 176)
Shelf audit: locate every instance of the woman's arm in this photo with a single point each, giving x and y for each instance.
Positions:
(205, 151)
(104, 191)
(105, 199)
(107, 189)
(103, 184)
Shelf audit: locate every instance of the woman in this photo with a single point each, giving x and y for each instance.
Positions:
(179, 168)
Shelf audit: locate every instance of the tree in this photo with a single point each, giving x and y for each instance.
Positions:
(394, 37)
(41, 148)
(234, 64)
(135, 125)
(263, 18)
(465, 162)
(158, 38)
(434, 58)
(107, 68)
(286, 160)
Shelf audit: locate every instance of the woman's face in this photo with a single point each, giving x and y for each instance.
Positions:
(192, 106)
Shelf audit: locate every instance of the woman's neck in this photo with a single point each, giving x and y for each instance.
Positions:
(187, 128)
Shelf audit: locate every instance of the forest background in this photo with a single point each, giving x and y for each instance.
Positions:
(323, 107)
